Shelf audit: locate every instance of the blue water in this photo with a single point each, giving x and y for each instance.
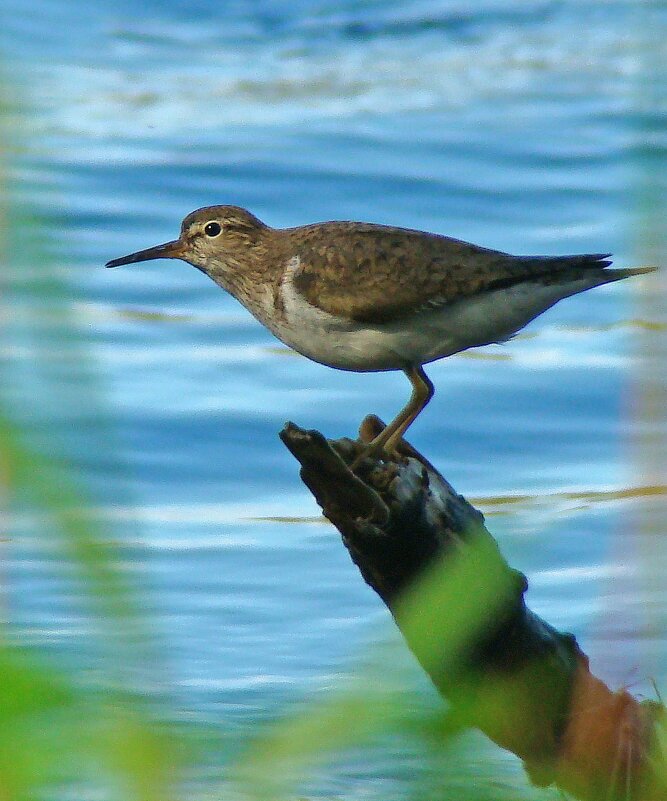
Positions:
(532, 127)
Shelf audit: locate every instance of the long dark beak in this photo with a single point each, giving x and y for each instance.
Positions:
(170, 250)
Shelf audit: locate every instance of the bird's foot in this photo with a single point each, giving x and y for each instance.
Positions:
(368, 454)
(374, 446)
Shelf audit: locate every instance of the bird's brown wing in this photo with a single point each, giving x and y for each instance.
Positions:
(375, 274)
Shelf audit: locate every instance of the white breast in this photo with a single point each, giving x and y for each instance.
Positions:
(345, 344)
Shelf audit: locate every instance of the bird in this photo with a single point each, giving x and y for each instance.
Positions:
(366, 297)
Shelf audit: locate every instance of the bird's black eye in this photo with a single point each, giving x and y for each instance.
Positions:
(212, 229)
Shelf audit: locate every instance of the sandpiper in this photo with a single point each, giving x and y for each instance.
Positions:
(366, 297)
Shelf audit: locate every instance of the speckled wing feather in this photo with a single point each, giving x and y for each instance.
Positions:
(373, 273)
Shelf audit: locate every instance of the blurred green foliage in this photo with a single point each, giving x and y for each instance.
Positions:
(440, 617)
(60, 731)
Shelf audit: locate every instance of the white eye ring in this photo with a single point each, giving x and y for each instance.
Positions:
(213, 229)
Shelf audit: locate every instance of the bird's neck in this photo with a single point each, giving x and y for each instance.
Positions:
(252, 273)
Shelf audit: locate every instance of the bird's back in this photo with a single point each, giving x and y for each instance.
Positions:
(375, 273)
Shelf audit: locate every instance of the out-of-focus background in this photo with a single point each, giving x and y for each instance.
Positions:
(524, 125)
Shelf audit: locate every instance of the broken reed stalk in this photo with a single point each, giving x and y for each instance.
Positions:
(524, 684)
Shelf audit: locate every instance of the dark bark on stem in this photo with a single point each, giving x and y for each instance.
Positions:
(524, 684)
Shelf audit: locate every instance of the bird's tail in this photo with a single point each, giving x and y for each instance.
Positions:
(598, 274)
(627, 272)
(591, 268)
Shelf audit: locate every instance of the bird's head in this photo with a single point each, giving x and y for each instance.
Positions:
(215, 239)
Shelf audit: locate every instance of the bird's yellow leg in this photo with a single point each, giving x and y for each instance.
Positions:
(390, 436)
(422, 392)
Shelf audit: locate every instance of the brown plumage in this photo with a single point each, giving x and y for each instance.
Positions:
(375, 273)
